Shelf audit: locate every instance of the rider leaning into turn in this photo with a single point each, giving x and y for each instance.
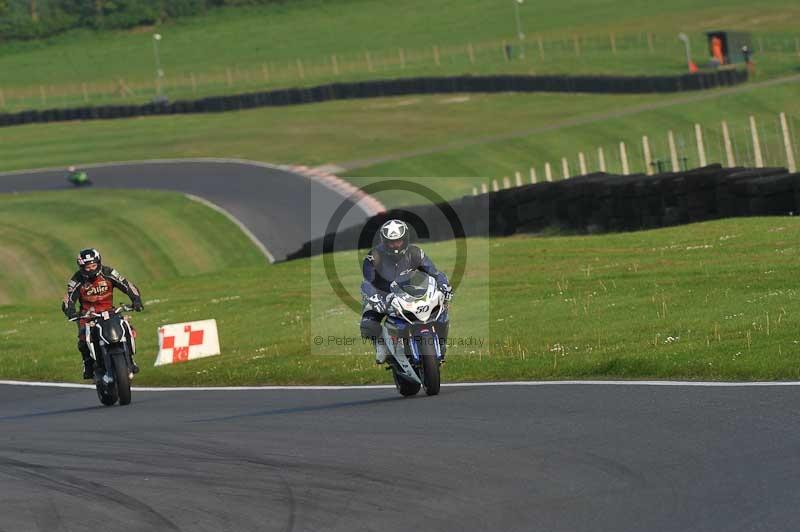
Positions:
(93, 286)
(383, 265)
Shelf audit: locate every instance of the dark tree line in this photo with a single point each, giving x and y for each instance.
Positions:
(32, 19)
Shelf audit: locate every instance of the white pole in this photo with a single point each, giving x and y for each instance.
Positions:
(564, 168)
(601, 159)
(623, 156)
(648, 160)
(756, 143)
(533, 175)
(484, 188)
(701, 149)
(548, 172)
(506, 182)
(787, 143)
(726, 137)
(495, 186)
(582, 163)
(474, 191)
(673, 152)
(518, 178)
(520, 34)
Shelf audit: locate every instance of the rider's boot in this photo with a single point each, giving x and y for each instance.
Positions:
(88, 363)
(88, 369)
(443, 329)
(381, 351)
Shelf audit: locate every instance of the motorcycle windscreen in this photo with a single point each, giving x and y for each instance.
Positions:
(411, 285)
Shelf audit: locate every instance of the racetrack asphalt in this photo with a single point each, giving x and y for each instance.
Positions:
(282, 209)
(552, 458)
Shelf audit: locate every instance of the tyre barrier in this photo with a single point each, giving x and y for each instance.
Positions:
(385, 88)
(594, 203)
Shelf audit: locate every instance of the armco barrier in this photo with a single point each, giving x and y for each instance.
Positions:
(597, 203)
(390, 87)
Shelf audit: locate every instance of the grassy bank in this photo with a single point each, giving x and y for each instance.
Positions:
(295, 43)
(146, 235)
(708, 301)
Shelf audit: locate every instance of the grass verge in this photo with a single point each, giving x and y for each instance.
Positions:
(715, 301)
(146, 235)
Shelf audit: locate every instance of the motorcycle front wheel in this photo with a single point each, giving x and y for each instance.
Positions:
(123, 381)
(430, 368)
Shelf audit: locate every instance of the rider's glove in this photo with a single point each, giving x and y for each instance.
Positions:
(137, 305)
(447, 290)
(380, 304)
(71, 313)
(377, 304)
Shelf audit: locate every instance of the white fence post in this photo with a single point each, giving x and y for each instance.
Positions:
(701, 149)
(726, 138)
(518, 178)
(533, 175)
(495, 186)
(623, 157)
(548, 172)
(582, 163)
(506, 182)
(756, 144)
(648, 159)
(673, 152)
(474, 191)
(601, 159)
(484, 188)
(787, 143)
(564, 168)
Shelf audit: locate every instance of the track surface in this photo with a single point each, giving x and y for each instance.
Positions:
(273, 204)
(550, 458)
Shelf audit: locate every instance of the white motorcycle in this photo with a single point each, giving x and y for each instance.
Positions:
(409, 332)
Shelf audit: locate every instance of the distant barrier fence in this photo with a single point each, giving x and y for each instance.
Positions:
(391, 87)
(633, 53)
(757, 143)
(595, 203)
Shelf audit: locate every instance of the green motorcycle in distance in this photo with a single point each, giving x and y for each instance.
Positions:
(79, 178)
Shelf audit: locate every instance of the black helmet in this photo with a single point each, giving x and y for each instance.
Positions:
(89, 263)
(395, 237)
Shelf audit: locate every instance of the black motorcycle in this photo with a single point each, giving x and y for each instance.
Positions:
(112, 346)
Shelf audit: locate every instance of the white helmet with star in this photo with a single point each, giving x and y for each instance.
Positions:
(395, 237)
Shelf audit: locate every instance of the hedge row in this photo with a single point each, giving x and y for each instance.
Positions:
(590, 204)
(389, 87)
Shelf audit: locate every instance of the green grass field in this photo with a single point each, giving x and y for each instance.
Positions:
(255, 48)
(707, 301)
(476, 137)
(150, 235)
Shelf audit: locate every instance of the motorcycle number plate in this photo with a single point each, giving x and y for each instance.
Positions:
(105, 315)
